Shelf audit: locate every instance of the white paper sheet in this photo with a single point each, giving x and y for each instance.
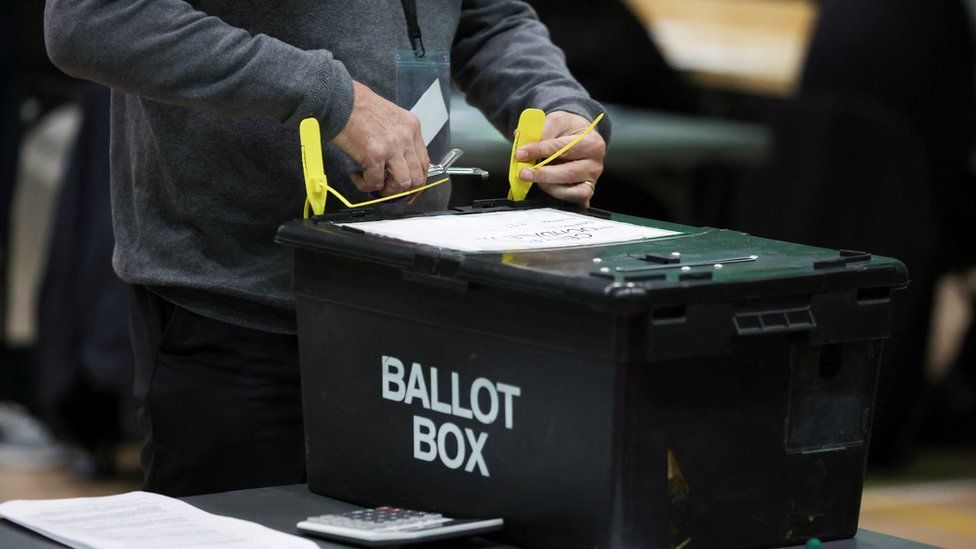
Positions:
(431, 109)
(140, 520)
(510, 231)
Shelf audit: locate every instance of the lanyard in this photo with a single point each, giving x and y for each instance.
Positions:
(413, 28)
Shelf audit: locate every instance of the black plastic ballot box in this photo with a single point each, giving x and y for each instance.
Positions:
(702, 389)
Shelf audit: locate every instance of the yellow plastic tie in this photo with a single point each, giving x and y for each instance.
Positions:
(348, 204)
(530, 131)
(316, 183)
(317, 187)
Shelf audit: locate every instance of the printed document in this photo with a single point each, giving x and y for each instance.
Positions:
(140, 520)
(517, 230)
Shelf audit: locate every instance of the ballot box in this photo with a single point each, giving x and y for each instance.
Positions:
(597, 380)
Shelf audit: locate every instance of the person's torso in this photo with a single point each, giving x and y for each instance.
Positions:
(198, 194)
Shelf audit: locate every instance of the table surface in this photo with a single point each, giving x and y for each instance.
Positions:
(282, 507)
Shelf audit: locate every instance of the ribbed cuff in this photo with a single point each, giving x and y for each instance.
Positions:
(329, 97)
(339, 108)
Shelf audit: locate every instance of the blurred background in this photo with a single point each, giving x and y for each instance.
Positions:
(841, 123)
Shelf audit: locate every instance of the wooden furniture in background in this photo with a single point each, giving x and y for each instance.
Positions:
(751, 46)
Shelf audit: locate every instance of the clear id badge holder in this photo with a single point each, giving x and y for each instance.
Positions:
(423, 87)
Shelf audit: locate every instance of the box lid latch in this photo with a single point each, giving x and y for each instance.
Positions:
(436, 268)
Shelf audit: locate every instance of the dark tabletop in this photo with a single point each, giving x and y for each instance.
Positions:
(282, 507)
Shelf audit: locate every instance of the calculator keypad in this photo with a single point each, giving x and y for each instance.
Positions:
(380, 518)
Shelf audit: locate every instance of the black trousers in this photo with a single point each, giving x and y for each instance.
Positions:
(221, 405)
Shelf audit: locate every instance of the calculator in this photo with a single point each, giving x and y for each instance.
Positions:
(394, 526)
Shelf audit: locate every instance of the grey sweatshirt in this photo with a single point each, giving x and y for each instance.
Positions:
(206, 99)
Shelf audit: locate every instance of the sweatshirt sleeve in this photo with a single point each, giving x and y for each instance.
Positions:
(504, 62)
(167, 51)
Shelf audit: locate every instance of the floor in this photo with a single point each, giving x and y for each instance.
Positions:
(932, 501)
(48, 479)
(939, 513)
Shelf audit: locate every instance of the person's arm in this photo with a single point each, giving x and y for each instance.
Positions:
(167, 51)
(504, 62)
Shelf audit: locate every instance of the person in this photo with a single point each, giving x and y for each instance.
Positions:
(878, 139)
(206, 100)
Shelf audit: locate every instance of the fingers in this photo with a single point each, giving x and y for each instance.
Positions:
(543, 149)
(386, 141)
(567, 172)
(359, 182)
(580, 193)
(420, 149)
(582, 163)
(411, 145)
(371, 179)
(566, 181)
(400, 178)
(590, 146)
(418, 170)
(391, 174)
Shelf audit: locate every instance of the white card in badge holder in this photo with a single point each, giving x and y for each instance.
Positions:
(431, 109)
(423, 86)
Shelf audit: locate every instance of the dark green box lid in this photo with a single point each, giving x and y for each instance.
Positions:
(701, 264)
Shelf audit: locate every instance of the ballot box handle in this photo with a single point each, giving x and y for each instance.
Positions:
(776, 321)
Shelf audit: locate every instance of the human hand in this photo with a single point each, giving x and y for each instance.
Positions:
(385, 140)
(573, 176)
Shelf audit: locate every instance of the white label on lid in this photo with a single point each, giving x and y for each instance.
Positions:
(517, 230)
